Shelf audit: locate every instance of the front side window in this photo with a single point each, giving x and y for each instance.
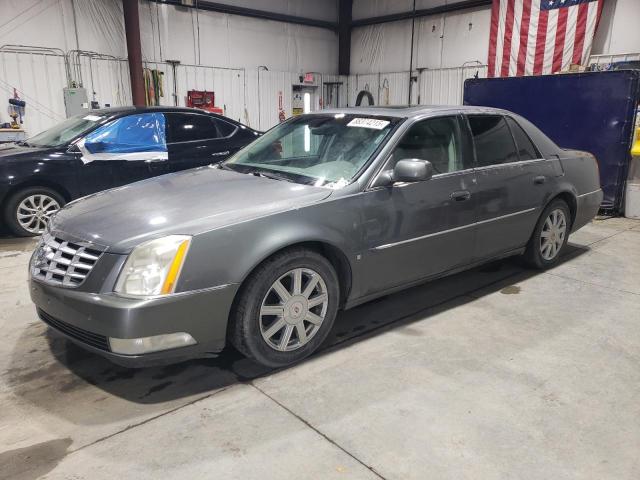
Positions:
(190, 127)
(134, 137)
(321, 150)
(493, 140)
(526, 149)
(437, 140)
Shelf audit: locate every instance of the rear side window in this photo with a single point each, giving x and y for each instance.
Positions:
(526, 149)
(493, 140)
(189, 127)
(225, 128)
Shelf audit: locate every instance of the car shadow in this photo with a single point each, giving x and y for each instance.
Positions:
(49, 371)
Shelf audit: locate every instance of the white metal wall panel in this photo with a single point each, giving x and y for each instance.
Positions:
(394, 89)
(387, 88)
(228, 85)
(608, 59)
(39, 80)
(446, 86)
(358, 83)
(375, 8)
(335, 96)
(106, 80)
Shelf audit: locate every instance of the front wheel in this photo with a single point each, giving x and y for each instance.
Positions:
(286, 308)
(28, 211)
(550, 236)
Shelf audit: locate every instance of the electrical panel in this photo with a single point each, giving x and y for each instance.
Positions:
(75, 101)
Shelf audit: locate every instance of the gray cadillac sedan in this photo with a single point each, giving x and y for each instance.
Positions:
(323, 212)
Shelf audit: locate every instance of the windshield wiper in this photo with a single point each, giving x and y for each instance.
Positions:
(272, 176)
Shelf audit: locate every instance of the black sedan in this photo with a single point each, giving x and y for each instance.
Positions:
(107, 148)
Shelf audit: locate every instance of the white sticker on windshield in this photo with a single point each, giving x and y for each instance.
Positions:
(368, 123)
(93, 118)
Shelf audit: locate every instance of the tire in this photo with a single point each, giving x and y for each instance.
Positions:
(550, 236)
(261, 316)
(42, 201)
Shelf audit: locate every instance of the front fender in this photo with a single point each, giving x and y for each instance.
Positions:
(228, 255)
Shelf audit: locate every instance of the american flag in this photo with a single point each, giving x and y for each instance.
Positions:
(536, 37)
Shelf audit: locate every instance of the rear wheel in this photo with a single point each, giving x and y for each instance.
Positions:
(28, 211)
(550, 236)
(286, 308)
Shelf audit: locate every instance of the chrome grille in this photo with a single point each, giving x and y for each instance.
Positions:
(62, 263)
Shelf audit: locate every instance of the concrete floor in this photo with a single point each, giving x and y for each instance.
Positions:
(491, 374)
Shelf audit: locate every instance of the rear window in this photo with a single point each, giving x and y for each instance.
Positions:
(493, 140)
(526, 149)
(225, 128)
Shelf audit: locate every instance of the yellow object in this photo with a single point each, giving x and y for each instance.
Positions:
(635, 149)
(174, 270)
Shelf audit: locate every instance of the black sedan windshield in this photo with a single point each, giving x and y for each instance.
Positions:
(322, 150)
(65, 131)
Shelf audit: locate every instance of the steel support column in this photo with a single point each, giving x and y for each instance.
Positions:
(134, 51)
(344, 37)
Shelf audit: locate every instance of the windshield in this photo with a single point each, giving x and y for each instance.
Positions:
(321, 150)
(65, 131)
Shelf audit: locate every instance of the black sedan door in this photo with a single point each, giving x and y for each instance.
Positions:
(198, 139)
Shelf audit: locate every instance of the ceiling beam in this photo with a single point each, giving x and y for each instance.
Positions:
(250, 12)
(424, 12)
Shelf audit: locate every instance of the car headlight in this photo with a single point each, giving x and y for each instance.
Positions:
(153, 268)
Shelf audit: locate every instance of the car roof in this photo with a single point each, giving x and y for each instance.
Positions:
(112, 112)
(159, 108)
(400, 111)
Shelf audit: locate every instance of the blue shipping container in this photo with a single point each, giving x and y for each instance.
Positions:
(592, 111)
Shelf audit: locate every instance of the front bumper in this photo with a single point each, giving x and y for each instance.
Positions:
(89, 319)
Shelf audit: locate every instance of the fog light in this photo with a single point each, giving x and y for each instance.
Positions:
(137, 346)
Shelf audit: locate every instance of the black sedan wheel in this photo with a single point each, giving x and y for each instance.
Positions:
(27, 212)
(286, 308)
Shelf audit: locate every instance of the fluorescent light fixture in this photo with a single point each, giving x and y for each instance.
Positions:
(307, 139)
(307, 102)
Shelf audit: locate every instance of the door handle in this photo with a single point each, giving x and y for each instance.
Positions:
(461, 196)
(539, 180)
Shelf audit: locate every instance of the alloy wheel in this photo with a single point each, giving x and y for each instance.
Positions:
(293, 309)
(553, 234)
(34, 212)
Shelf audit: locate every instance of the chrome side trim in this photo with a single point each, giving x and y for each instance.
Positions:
(510, 164)
(443, 232)
(172, 295)
(521, 212)
(590, 193)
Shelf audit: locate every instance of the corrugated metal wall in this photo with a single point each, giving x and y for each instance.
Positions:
(445, 86)
(442, 86)
(39, 79)
(251, 97)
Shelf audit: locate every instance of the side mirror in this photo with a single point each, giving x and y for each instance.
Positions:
(406, 171)
(412, 170)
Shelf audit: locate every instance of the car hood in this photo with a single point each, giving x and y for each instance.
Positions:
(187, 203)
(13, 151)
